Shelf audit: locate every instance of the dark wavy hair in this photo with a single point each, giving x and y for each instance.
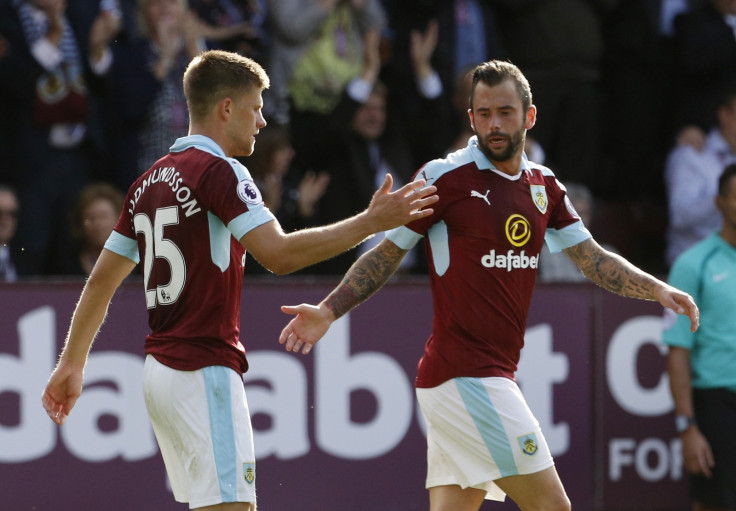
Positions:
(495, 72)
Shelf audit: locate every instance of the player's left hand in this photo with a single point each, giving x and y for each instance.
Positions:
(681, 303)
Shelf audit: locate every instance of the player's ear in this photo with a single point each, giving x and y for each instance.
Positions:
(531, 117)
(224, 108)
(472, 118)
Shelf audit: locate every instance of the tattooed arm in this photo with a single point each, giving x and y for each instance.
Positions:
(366, 276)
(616, 274)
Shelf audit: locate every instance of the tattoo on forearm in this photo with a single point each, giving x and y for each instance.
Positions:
(365, 277)
(341, 300)
(611, 271)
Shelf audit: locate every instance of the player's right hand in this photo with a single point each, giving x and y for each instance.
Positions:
(308, 327)
(410, 202)
(62, 391)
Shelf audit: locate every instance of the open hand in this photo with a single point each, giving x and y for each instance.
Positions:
(408, 203)
(311, 189)
(105, 27)
(308, 327)
(423, 45)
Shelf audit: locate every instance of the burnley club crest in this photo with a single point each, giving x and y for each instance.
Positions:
(539, 197)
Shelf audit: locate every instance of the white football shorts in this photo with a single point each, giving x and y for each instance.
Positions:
(202, 424)
(480, 430)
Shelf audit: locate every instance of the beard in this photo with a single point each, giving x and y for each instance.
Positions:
(515, 142)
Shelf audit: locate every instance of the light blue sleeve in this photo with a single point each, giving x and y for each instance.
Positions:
(254, 217)
(558, 239)
(403, 237)
(257, 214)
(124, 246)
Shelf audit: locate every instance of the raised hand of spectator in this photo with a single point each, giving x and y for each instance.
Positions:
(104, 28)
(55, 10)
(371, 55)
(194, 33)
(272, 188)
(311, 189)
(167, 34)
(423, 45)
(693, 136)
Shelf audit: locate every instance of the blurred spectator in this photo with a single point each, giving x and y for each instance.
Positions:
(700, 363)
(469, 35)
(368, 142)
(271, 163)
(50, 61)
(8, 226)
(147, 95)
(92, 220)
(558, 267)
(321, 36)
(472, 35)
(233, 25)
(420, 106)
(316, 50)
(468, 30)
(691, 177)
(558, 45)
(459, 129)
(705, 59)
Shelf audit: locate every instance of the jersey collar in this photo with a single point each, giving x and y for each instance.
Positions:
(483, 163)
(198, 141)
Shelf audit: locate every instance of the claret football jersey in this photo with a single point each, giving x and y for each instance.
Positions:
(483, 243)
(182, 221)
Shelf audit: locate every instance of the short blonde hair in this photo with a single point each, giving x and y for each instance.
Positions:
(216, 74)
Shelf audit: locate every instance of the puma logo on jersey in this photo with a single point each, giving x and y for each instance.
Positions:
(473, 193)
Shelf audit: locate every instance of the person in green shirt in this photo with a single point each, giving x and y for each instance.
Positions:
(702, 364)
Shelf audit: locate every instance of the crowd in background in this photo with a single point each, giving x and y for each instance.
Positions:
(636, 106)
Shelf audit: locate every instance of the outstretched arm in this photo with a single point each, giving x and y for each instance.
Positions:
(284, 253)
(366, 276)
(65, 384)
(616, 274)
